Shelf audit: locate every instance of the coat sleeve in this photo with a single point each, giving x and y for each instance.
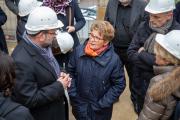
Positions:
(147, 58)
(106, 16)
(12, 6)
(20, 113)
(142, 60)
(80, 21)
(134, 46)
(28, 93)
(170, 103)
(72, 71)
(3, 17)
(151, 110)
(117, 87)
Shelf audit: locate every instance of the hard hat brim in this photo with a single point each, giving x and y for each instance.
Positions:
(149, 9)
(160, 39)
(59, 24)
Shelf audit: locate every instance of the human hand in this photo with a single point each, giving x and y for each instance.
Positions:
(141, 49)
(161, 61)
(70, 29)
(65, 80)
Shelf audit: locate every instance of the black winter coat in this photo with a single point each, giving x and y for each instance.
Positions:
(36, 84)
(10, 110)
(144, 61)
(3, 45)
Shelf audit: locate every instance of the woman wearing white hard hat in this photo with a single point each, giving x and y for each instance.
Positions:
(164, 89)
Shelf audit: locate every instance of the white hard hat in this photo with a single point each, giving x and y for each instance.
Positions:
(160, 6)
(26, 6)
(170, 42)
(65, 41)
(42, 18)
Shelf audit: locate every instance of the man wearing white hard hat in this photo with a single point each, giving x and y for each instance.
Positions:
(141, 50)
(13, 6)
(40, 84)
(25, 7)
(164, 88)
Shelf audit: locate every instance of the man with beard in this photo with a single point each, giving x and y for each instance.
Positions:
(140, 51)
(40, 84)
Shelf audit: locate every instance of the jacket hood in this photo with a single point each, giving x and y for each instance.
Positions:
(167, 85)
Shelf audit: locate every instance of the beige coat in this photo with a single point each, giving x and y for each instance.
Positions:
(160, 99)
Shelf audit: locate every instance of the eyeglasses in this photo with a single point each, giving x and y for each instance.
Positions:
(91, 35)
(52, 33)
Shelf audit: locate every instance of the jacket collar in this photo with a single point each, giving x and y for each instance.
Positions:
(162, 69)
(38, 57)
(166, 84)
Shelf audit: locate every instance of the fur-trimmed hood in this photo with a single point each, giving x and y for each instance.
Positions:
(165, 85)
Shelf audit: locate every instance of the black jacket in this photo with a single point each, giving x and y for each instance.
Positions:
(136, 17)
(3, 19)
(36, 84)
(11, 110)
(144, 60)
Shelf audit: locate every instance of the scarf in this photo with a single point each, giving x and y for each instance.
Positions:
(58, 7)
(94, 53)
(46, 53)
(149, 43)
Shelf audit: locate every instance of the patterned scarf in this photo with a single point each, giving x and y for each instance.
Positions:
(94, 53)
(46, 53)
(57, 6)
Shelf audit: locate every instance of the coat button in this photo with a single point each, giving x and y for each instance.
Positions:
(104, 88)
(103, 82)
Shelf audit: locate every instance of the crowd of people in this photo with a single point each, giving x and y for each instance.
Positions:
(49, 69)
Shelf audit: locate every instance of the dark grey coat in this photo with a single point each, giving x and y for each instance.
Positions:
(137, 14)
(36, 84)
(10, 110)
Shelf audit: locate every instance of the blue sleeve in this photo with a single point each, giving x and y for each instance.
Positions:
(80, 21)
(117, 87)
(73, 74)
